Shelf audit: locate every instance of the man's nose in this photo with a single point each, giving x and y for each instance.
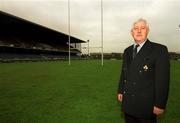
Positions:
(139, 30)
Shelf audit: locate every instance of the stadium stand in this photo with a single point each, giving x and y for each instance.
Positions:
(22, 40)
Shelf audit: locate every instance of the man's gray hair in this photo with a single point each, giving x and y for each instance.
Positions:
(141, 20)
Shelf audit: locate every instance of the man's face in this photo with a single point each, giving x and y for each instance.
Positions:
(140, 32)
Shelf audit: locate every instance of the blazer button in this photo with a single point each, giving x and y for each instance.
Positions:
(125, 81)
(140, 71)
(124, 92)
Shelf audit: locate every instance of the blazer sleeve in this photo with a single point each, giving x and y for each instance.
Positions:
(122, 77)
(162, 77)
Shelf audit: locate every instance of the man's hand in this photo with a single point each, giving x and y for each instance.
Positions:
(120, 97)
(157, 110)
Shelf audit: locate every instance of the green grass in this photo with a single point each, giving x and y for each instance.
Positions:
(85, 92)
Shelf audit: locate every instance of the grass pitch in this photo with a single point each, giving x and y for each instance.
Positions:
(85, 92)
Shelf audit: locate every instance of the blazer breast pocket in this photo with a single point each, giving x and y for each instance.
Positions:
(148, 64)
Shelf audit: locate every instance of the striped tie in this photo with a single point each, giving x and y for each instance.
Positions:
(135, 51)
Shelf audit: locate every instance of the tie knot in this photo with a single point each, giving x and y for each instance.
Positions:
(137, 45)
(135, 50)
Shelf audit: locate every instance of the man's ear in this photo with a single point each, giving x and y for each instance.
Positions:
(147, 31)
(131, 32)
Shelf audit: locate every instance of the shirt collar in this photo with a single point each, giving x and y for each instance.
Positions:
(141, 44)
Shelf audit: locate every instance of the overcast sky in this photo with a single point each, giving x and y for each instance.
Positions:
(163, 17)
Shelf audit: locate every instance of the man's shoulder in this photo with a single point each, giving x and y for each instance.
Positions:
(157, 45)
(128, 48)
(159, 49)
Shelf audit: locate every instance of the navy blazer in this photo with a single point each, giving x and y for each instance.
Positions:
(144, 80)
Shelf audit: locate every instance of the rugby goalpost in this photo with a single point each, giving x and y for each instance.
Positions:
(69, 33)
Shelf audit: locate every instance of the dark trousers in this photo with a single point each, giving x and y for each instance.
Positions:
(131, 119)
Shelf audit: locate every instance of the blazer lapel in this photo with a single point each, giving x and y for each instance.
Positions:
(144, 51)
(129, 56)
(130, 53)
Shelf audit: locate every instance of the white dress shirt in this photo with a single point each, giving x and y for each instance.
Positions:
(140, 45)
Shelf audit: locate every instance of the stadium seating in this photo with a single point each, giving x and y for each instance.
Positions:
(22, 40)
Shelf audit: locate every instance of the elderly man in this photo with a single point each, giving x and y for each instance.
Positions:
(144, 81)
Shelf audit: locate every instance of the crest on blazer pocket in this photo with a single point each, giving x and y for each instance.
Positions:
(145, 67)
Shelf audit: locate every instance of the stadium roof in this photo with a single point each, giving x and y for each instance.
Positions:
(11, 24)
